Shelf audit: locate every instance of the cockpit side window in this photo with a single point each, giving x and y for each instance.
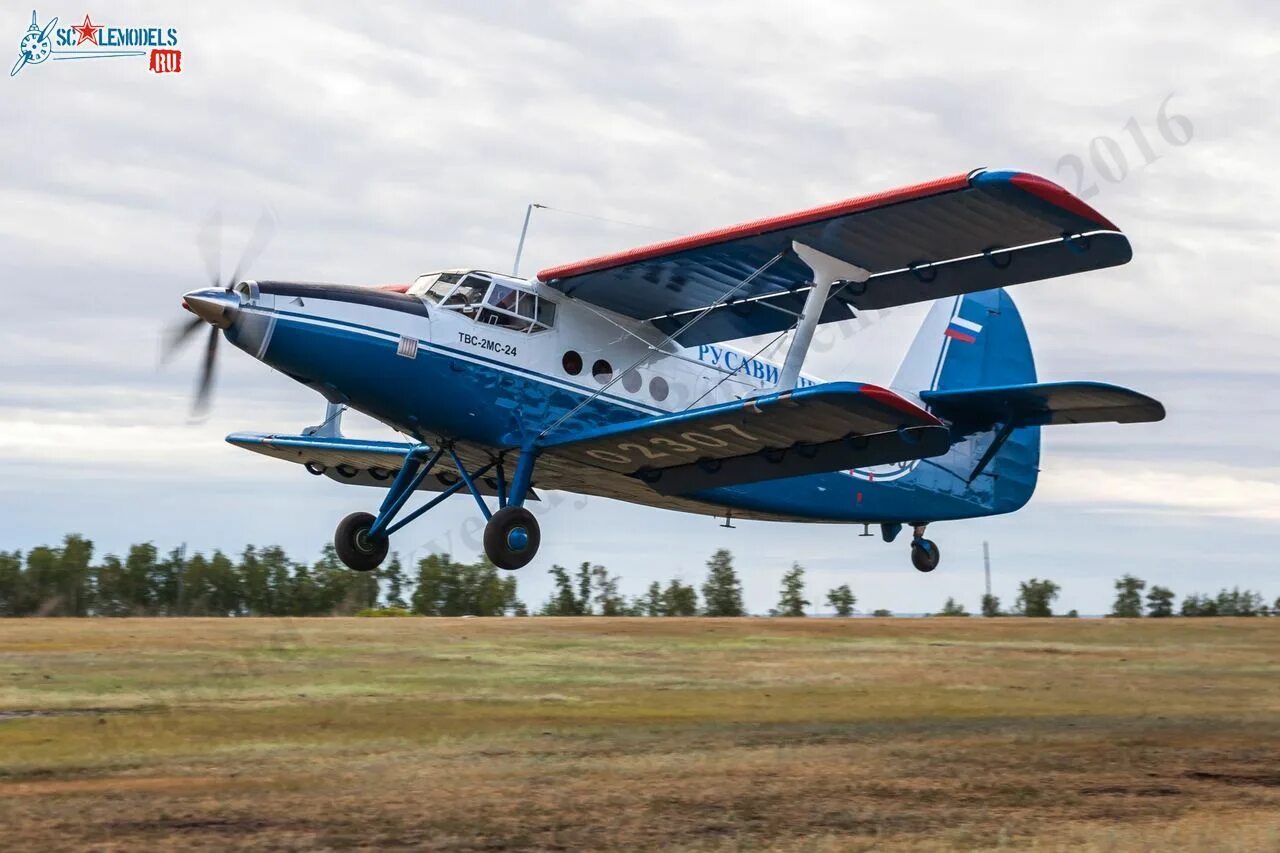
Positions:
(517, 310)
(502, 308)
(546, 313)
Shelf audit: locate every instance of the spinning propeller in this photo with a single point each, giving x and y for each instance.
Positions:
(216, 305)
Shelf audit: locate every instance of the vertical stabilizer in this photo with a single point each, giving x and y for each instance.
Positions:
(976, 341)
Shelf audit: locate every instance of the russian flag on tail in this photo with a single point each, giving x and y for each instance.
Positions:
(965, 331)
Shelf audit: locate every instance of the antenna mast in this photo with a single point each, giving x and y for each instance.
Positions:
(528, 213)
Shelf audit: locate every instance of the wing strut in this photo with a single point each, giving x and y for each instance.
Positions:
(826, 272)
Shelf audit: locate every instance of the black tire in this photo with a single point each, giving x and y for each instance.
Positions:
(511, 538)
(356, 549)
(925, 555)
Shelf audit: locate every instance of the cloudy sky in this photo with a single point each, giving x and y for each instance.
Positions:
(391, 140)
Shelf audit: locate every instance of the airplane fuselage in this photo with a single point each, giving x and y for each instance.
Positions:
(495, 379)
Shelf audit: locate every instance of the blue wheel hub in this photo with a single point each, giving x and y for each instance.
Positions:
(518, 538)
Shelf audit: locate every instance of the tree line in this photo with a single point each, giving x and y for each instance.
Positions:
(67, 581)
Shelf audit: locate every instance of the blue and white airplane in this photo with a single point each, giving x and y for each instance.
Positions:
(610, 376)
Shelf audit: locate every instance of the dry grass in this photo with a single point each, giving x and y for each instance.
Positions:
(608, 733)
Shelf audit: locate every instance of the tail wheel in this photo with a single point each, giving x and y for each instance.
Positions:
(356, 548)
(511, 537)
(925, 555)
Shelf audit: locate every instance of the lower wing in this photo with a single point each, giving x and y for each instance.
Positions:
(828, 427)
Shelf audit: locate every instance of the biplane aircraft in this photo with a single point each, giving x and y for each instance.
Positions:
(611, 376)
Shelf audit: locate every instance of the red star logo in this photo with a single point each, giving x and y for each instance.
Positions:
(88, 31)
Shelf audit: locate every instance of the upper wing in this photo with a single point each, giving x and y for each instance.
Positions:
(361, 462)
(965, 233)
(826, 427)
(1043, 404)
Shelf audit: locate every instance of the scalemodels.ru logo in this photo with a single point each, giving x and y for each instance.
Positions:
(95, 41)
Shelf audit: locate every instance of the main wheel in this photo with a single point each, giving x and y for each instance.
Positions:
(924, 555)
(356, 548)
(511, 537)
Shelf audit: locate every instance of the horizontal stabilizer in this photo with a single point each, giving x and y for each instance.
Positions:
(1042, 404)
(360, 462)
(821, 428)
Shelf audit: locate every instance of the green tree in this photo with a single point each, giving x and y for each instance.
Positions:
(584, 579)
(74, 569)
(12, 593)
(41, 576)
(393, 574)
(607, 597)
(195, 588)
(842, 600)
(722, 591)
(652, 602)
(255, 583)
(304, 594)
(448, 588)
(140, 566)
(881, 612)
(679, 599)
(990, 605)
(58, 581)
(489, 593)
(1199, 605)
(518, 607)
(165, 583)
(227, 596)
(1238, 602)
(1128, 603)
(279, 571)
(1160, 601)
(563, 602)
(953, 608)
(427, 591)
(1036, 597)
(791, 600)
(109, 598)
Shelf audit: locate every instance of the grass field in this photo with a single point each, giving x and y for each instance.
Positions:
(694, 734)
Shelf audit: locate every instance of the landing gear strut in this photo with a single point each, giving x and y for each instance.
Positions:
(924, 552)
(511, 535)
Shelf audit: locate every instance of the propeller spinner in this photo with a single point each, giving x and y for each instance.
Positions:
(217, 305)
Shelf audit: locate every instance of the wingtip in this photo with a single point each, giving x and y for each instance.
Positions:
(1045, 190)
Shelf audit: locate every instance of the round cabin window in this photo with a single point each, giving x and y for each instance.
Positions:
(658, 388)
(572, 363)
(602, 371)
(632, 381)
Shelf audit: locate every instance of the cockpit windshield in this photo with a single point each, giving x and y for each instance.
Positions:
(434, 286)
